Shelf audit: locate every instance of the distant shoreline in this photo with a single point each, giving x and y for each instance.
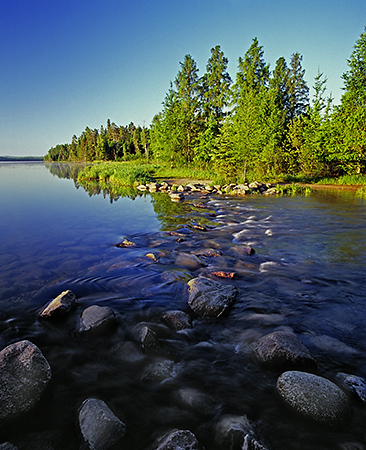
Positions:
(21, 158)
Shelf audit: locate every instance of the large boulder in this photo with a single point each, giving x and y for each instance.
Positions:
(282, 349)
(24, 374)
(314, 397)
(99, 426)
(60, 305)
(177, 440)
(209, 298)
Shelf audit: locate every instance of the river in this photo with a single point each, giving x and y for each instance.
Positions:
(307, 275)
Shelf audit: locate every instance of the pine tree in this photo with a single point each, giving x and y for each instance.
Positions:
(348, 143)
(298, 90)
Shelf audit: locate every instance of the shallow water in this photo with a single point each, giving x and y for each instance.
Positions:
(307, 274)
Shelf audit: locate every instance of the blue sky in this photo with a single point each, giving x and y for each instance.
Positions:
(71, 64)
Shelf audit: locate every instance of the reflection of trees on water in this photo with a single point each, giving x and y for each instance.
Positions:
(170, 214)
(66, 170)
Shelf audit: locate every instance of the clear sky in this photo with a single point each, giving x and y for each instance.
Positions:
(70, 64)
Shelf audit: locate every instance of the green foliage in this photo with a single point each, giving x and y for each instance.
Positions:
(126, 174)
(262, 127)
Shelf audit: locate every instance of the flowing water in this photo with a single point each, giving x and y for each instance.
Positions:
(307, 275)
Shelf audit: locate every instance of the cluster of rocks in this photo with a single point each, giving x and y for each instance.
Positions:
(178, 191)
(25, 374)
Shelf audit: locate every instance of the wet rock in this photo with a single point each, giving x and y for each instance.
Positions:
(159, 370)
(59, 306)
(209, 298)
(99, 426)
(177, 440)
(314, 397)
(195, 401)
(125, 244)
(176, 196)
(251, 444)
(231, 431)
(8, 446)
(331, 345)
(147, 337)
(97, 319)
(222, 274)
(24, 374)
(188, 260)
(128, 352)
(352, 383)
(176, 320)
(282, 349)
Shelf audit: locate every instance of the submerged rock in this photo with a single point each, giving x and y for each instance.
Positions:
(314, 397)
(195, 401)
(209, 298)
(177, 320)
(97, 319)
(236, 433)
(59, 306)
(177, 440)
(282, 349)
(352, 383)
(24, 374)
(98, 425)
(190, 261)
(159, 370)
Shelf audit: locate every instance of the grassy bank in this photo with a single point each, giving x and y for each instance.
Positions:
(132, 173)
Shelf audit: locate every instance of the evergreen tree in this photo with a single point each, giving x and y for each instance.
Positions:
(298, 90)
(215, 86)
(348, 143)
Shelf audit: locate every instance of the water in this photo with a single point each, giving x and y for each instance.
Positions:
(308, 275)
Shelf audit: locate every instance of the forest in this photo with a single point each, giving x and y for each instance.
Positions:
(261, 124)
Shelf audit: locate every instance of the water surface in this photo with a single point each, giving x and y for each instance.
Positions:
(307, 275)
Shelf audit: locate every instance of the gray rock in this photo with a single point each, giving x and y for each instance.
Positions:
(24, 374)
(314, 397)
(282, 349)
(351, 446)
(60, 305)
(176, 196)
(176, 320)
(159, 370)
(177, 440)
(195, 401)
(147, 337)
(352, 383)
(97, 319)
(210, 299)
(99, 426)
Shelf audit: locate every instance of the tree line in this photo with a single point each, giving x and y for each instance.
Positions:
(262, 123)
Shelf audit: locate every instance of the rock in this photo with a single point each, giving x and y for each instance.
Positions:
(24, 374)
(97, 319)
(209, 298)
(188, 260)
(99, 426)
(251, 444)
(147, 337)
(176, 196)
(176, 320)
(59, 306)
(351, 446)
(8, 446)
(177, 440)
(282, 349)
(222, 274)
(159, 370)
(125, 244)
(195, 401)
(352, 383)
(142, 187)
(231, 431)
(314, 397)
